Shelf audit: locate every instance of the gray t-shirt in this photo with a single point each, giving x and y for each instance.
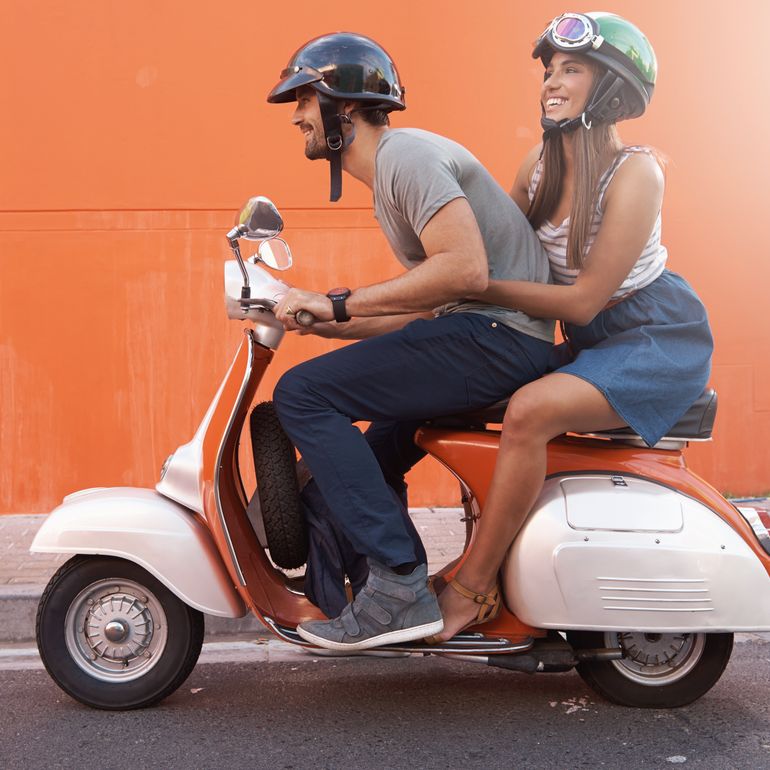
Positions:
(416, 174)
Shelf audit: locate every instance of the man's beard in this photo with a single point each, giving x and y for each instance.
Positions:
(316, 149)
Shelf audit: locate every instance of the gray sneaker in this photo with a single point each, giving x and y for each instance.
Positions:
(390, 608)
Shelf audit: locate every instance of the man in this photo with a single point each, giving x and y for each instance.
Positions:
(452, 227)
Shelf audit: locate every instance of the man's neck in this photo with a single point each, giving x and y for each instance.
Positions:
(359, 158)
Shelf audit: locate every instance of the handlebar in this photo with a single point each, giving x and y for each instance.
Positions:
(305, 318)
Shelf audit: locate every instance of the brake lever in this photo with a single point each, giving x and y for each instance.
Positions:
(247, 303)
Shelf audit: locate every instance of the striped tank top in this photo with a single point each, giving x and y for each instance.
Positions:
(651, 261)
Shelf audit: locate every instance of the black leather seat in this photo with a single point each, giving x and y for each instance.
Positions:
(696, 424)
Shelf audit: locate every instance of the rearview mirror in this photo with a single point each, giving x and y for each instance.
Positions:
(259, 219)
(275, 253)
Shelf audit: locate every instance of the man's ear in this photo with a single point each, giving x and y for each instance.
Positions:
(348, 107)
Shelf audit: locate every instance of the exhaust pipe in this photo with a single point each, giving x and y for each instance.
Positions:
(599, 654)
(546, 657)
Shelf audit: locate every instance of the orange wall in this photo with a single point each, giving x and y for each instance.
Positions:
(132, 131)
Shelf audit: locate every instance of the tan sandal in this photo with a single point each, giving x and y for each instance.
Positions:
(489, 606)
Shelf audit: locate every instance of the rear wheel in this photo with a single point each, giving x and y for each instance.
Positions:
(114, 637)
(656, 670)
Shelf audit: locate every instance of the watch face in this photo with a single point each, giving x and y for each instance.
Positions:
(338, 292)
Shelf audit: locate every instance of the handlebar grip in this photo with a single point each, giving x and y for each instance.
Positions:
(305, 318)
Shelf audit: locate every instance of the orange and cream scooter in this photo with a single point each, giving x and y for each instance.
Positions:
(630, 568)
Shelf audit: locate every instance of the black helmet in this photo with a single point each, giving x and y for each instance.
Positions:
(341, 66)
(345, 66)
(624, 55)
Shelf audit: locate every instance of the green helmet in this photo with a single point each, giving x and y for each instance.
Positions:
(621, 50)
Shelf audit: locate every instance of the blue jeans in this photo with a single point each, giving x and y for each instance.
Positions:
(331, 556)
(429, 368)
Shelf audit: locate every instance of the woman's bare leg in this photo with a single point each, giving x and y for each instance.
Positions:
(555, 404)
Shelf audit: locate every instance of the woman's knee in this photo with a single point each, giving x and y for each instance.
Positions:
(527, 417)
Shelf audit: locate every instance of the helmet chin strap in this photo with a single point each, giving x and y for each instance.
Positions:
(552, 129)
(336, 141)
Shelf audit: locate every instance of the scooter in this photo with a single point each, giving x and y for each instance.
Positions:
(630, 568)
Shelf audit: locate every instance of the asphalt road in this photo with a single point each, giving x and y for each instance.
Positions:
(292, 711)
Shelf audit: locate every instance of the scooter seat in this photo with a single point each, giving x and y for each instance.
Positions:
(696, 424)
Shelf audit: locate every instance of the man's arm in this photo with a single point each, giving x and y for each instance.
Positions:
(362, 328)
(456, 266)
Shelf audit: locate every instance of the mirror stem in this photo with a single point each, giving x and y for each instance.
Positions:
(232, 240)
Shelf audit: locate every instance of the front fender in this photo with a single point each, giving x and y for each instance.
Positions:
(140, 525)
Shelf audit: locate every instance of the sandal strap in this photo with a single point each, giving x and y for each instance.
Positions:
(489, 599)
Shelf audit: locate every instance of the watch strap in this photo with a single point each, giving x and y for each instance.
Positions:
(338, 297)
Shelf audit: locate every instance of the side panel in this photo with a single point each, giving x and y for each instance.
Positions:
(597, 556)
(167, 540)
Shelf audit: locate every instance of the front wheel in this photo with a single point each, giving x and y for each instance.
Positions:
(656, 670)
(114, 637)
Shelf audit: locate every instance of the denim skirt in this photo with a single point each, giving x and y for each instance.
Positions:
(650, 355)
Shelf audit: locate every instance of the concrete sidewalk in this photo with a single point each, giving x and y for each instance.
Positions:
(24, 575)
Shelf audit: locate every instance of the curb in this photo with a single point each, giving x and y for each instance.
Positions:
(18, 610)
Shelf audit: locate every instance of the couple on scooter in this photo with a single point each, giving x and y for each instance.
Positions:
(463, 326)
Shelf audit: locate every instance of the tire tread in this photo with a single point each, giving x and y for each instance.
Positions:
(275, 466)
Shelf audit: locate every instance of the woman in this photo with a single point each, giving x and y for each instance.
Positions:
(638, 348)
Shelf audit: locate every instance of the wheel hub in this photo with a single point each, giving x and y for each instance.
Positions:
(116, 631)
(119, 627)
(653, 649)
(656, 659)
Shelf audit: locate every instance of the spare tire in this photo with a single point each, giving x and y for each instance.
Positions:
(275, 465)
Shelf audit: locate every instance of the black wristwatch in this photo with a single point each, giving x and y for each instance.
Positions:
(338, 297)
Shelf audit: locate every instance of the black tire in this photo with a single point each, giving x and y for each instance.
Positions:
(641, 680)
(88, 591)
(275, 465)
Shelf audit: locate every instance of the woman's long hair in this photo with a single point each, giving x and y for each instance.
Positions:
(592, 148)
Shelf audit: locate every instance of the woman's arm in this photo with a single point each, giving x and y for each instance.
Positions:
(631, 205)
(520, 189)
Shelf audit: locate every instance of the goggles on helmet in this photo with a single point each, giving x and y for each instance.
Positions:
(571, 32)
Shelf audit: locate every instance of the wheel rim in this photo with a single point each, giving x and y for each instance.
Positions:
(656, 659)
(116, 630)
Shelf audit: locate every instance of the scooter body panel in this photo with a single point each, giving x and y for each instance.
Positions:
(613, 553)
(142, 526)
(471, 456)
(556, 578)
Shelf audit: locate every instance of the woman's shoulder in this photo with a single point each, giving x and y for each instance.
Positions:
(530, 162)
(638, 164)
(528, 166)
(637, 174)
(523, 181)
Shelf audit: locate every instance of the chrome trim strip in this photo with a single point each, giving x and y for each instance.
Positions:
(241, 393)
(661, 609)
(665, 442)
(753, 520)
(287, 634)
(655, 580)
(462, 643)
(657, 590)
(655, 599)
(451, 650)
